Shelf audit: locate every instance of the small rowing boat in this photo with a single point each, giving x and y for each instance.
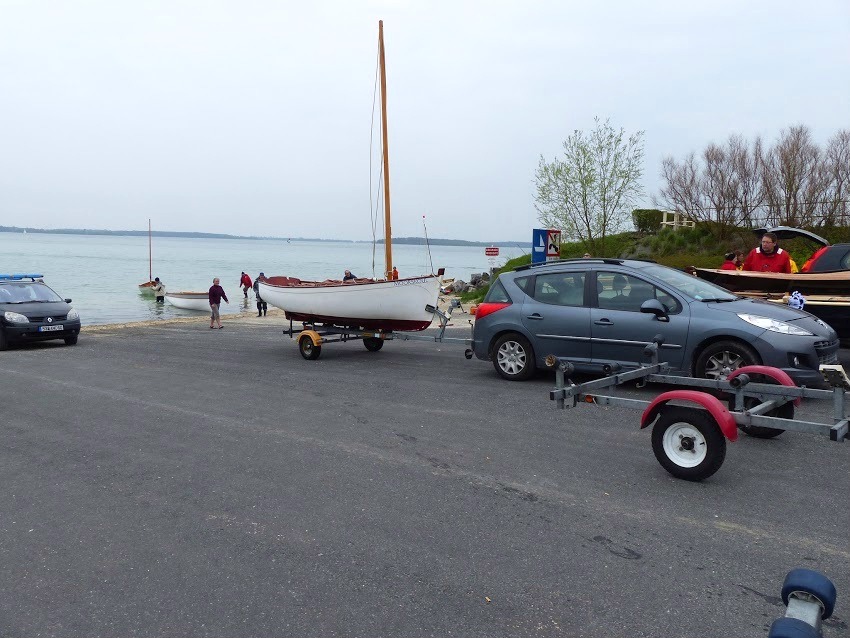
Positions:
(199, 301)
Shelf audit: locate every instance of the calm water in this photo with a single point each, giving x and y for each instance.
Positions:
(101, 274)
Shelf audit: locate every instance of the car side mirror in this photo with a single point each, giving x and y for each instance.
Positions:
(68, 300)
(655, 307)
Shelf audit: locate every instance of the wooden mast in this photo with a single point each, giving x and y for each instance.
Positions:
(150, 253)
(388, 244)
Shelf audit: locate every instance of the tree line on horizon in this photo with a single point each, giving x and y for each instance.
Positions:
(196, 235)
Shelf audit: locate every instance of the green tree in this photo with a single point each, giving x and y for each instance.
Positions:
(589, 192)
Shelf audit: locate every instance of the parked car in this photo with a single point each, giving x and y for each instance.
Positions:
(32, 311)
(598, 312)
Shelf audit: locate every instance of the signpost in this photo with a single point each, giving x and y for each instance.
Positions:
(492, 252)
(545, 245)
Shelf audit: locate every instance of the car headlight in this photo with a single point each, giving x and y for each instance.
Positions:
(774, 325)
(73, 314)
(15, 317)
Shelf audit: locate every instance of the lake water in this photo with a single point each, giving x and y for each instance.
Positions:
(102, 273)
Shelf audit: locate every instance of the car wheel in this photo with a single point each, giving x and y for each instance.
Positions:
(373, 344)
(3, 343)
(513, 357)
(723, 357)
(72, 340)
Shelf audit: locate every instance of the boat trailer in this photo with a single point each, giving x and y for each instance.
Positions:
(689, 440)
(313, 335)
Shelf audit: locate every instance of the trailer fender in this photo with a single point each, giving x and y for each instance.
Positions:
(711, 403)
(315, 337)
(780, 376)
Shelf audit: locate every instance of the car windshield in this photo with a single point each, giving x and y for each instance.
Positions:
(694, 287)
(27, 292)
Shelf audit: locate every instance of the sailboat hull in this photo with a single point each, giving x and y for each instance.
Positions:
(379, 305)
(147, 288)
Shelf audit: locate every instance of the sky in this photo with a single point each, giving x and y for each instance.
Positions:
(255, 117)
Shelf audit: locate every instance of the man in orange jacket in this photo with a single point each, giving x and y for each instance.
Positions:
(768, 257)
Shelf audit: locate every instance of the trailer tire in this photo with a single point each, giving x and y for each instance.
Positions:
(308, 349)
(688, 443)
(782, 412)
(373, 344)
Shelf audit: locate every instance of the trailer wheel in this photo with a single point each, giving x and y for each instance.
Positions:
(812, 583)
(308, 350)
(782, 412)
(373, 344)
(688, 443)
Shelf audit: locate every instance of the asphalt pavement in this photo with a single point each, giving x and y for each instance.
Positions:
(172, 480)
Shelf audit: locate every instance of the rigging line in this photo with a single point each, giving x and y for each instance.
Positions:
(374, 214)
(428, 244)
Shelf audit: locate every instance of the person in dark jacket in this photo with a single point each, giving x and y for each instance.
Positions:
(159, 291)
(262, 306)
(216, 295)
(348, 276)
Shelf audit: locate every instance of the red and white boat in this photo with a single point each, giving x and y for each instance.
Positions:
(383, 304)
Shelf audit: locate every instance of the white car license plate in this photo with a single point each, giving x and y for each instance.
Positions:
(50, 328)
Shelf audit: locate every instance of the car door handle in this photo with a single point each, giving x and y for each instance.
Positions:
(534, 317)
(604, 322)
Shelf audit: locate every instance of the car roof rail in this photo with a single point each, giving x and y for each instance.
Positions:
(604, 260)
(20, 276)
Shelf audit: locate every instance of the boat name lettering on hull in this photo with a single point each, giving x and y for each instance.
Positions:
(408, 282)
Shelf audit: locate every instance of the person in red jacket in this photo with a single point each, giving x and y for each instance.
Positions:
(246, 283)
(768, 257)
(729, 264)
(734, 259)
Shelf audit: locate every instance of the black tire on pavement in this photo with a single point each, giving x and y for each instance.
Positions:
(72, 340)
(723, 357)
(513, 357)
(688, 443)
(4, 344)
(307, 349)
(373, 344)
(785, 411)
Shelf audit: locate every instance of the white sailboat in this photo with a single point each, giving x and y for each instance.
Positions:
(385, 304)
(189, 300)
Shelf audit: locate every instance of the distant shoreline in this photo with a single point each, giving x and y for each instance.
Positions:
(190, 235)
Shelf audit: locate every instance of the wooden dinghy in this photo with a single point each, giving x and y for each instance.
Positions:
(199, 301)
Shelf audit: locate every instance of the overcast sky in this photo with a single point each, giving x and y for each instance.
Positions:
(254, 116)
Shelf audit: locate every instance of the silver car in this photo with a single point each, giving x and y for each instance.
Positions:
(598, 312)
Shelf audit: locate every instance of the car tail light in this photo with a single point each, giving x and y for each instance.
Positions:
(485, 309)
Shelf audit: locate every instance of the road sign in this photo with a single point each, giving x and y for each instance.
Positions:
(553, 245)
(545, 245)
(491, 251)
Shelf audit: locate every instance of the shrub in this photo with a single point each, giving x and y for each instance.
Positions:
(647, 220)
